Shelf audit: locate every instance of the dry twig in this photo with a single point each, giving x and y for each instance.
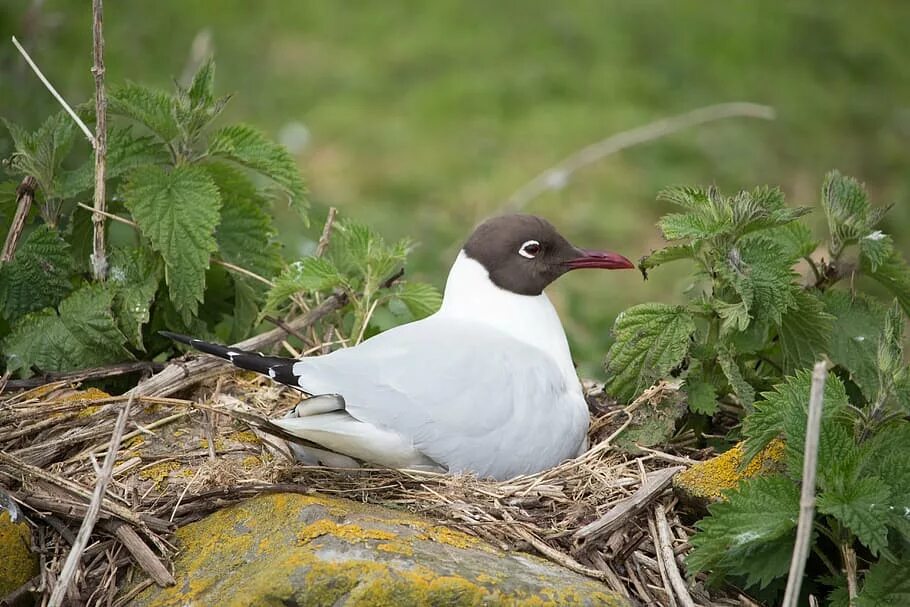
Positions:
(558, 175)
(94, 508)
(665, 537)
(326, 232)
(807, 494)
(99, 254)
(25, 195)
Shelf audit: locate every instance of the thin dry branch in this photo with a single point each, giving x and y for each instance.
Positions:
(326, 232)
(94, 509)
(25, 195)
(84, 374)
(665, 538)
(807, 494)
(99, 253)
(53, 91)
(556, 177)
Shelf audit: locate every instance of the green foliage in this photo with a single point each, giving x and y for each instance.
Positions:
(357, 263)
(651, 339)
(197, 195)
(752, 330)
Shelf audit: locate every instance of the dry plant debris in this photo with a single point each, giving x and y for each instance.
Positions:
(606, 514)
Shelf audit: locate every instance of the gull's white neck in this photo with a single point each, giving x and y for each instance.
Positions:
(470, 294)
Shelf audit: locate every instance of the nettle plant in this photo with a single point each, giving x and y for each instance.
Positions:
(194, 205)
(746, 339)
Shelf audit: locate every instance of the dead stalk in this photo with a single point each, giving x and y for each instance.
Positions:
(94, 508)
(807, 495)
(25, 195)
(556, 177)
(99, 254)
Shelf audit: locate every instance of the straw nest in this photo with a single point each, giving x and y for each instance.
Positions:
(607, 514)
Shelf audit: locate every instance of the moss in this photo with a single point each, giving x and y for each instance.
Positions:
(17, 564)
(709, 479)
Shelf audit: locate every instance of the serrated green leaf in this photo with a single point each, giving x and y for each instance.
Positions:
(893, 274)
(666, 255)
(651, 339)
(135, 275)
(250, 148)
(783, 412)
(653, 421)
(420, 298)
(154, 109)
(885, 585)
(734, 317)
(862, 505)
(84, 334)
(859, 321)
(875, 248)
(309, 275)
(702, 397)
(750, 534)
(178, 212)
(247, 298)
(805, 331)
(740, 386)
(846, 204)
(37, 276)
(691, 198)
(196, 106)
(246, 236)
(125, 151)
(202, 88)
(678, 226)
(795, 238)
(769, 274)
(41, 153)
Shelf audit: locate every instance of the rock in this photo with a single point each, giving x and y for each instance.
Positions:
(706, 481)
(302, 551)
(17, 563)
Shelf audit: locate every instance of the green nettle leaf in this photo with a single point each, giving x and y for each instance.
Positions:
(862, 505)
(154, 109)
(875, 248)
(740, 386)
(202, 88)
(783, 412)
(678, 226)
(854, 345)
(420, 298)
(83, 334)
(38, 275)
(651, 339)
(309, 275)
(196, 106)
(653, 421)
(250, 148)
(751, 534)
(246, 236)
(666, 255)
(795, 239)
(734, 316)
(893, 274)
(135, 275)
(177, 211)
(769, 273)
(40, 154)
(805, 331)
(702, 395)
(885, 585)
(125, 151)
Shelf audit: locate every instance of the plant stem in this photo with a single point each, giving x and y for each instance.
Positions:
(849, 557)
(25, 195)
(807, 495)
(99, 255)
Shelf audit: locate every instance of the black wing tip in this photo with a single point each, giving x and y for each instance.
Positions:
(178, 337)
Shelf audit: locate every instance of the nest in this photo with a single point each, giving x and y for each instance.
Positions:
(607, 515)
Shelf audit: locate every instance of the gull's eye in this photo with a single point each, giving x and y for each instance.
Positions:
(530, 249)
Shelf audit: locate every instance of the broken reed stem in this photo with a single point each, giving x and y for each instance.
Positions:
(665, 549)
(556, 177)
(25, 195)
(326, 232)
(53, 91)
(94, 508)
(807, 494)
(99, 253)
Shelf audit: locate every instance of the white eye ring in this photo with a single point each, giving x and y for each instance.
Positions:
(530, 244)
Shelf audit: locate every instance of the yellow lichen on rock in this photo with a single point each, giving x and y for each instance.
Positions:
(17, 563)
(310, 550)
(709, 479)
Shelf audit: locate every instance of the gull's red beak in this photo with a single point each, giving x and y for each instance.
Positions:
(589, 258)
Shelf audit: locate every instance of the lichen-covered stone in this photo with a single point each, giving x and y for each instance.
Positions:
(309, 551)
(706, 481)
(17, 563)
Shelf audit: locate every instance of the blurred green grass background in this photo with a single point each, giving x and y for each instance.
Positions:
(422, 118)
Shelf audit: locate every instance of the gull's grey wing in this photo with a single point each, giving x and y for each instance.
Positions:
(468, 397)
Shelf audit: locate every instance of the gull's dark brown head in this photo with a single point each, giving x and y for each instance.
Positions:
(523, 253)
